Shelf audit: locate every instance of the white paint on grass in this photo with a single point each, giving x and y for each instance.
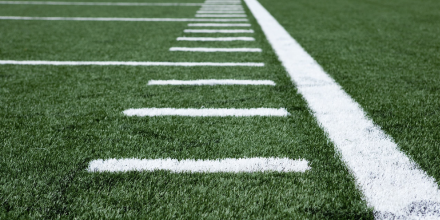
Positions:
(121, 63)
(96, 3)
(119, 19)
(220, 12)
(218, 25)
(212, 82)
(221, 16)
(210, 49)
(229, 165)
(206, 112)
(215, 39)
(218, 31)
(392, 183)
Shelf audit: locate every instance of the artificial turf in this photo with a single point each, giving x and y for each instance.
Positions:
(55, 119)
(385, 55)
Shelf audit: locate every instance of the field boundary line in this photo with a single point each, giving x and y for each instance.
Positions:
(230, 165)
(122, 63)
(391, 182)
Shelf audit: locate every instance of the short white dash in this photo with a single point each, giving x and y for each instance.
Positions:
(220, 16)
(229, 165)
(215, 39)
(220, 12)
(210, 49)
(218, 31)
(122, 63)
(218, 25)
(120, 19)
(207, 112)
(391, 182)
(212, 82)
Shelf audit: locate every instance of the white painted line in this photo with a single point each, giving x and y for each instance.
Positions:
(218, 25)
(392, 183)
(212, 82)
(218, 31)
(215, 39)
(229, 165)
(220, 12)
(116, 19)
(206, 112)
(221, 16)
(220, 9)
(121, 63)
(97, 3)
(210, 49)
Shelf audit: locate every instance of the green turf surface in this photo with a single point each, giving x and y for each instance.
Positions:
(385, 55)
(54, 120)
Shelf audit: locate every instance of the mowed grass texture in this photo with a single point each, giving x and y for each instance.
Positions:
(55, 119)
(385, 55)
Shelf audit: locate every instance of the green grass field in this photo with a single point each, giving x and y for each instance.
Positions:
(55, 119)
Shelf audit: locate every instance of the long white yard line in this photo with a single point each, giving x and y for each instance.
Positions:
(218, 31)
(230, 165)
(96, 3)
(212, 82)
(218, 25)
(220, 12)
(221, 16)
(207, 112)
(122, 63)
(120, 19)
(392, 183)
(215, 39)
(210, 49)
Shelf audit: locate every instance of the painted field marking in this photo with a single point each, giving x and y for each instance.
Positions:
(210, 49)
(212, 82)
(116, 19)
(220, 12)
(224, 7)
(220, 9)
(391, 182)
(218, 31)
(215, 39)
(229, 165)
(207, 112)
(218, 25)
(122, 63)
(96, 3)
(221, 16)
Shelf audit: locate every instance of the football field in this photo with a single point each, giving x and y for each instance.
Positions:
(220, 109)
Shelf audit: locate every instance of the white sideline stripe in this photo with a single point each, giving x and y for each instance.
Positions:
(209, 49)
(391, 182)
(230, 165)
(122, 63)
(212, 82)
(215, 39)
(218, 25)
(206, 112)
(221, 16)
(218, 31)
(220, 12)
(97, 3)
(115, 19)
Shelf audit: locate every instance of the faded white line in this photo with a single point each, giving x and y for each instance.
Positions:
(210, 49)
(221, 16)
(116, 19)
(212, 82)
(122, 63)
(392, 183)
(229, 165)
(218, 31)
(206, 112)
(220, 12)
(218, 25)
(97, 3)
(215, 39)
